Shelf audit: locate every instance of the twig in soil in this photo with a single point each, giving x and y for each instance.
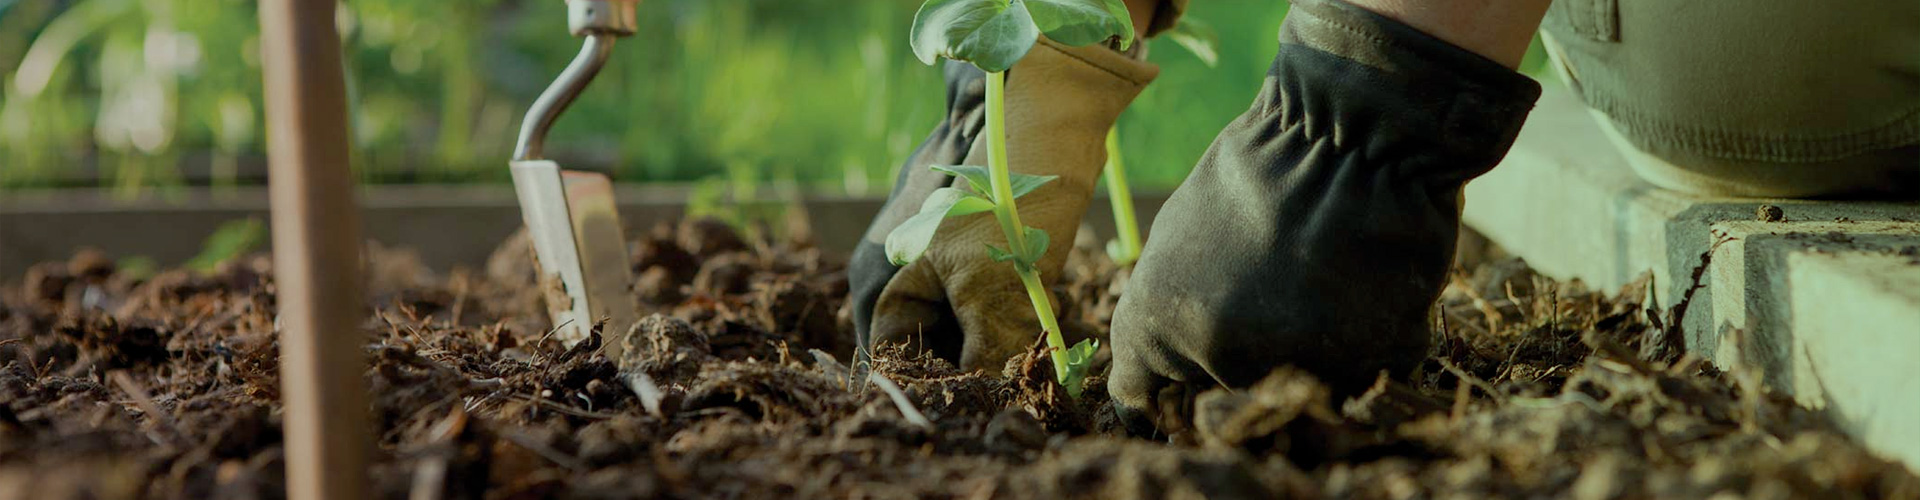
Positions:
(544, 451)
(1469, 378)
(430, 478)
(1479, 302)
(862, 364)
(146, 404)
(828, 364)
(557, 407)
(556, 329)
(899, 398)
(649, 393)
(460, 290)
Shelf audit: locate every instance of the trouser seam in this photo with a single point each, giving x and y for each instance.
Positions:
(1903, 130)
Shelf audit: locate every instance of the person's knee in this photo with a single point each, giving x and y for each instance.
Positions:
(1770, 98)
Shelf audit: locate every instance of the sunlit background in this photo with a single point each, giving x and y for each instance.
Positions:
(136, 95)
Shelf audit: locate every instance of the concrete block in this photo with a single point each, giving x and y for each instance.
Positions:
(1819, 296)
(1856, 320)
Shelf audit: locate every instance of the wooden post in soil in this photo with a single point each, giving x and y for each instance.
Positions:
(316, 247)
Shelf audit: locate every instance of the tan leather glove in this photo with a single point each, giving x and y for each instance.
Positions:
(955, 300)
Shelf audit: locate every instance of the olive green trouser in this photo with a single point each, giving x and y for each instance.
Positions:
(1771, 98)
(1758, 98)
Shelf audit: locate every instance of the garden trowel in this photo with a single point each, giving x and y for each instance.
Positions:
(570, 215)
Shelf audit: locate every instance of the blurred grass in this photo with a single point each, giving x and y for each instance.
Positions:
(144, 94)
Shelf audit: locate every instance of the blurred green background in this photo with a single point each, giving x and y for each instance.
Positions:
(143, 94)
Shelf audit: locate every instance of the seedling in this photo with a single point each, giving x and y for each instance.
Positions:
(1125, 247)
(1199, 38)
(993, 35)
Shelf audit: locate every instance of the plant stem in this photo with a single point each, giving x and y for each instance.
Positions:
(1009, 216)
(1124, 221)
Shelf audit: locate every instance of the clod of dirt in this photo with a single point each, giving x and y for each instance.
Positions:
(46, 283)
(665, 348)
(725, 274)
(1016, 430)
(707, 237)
(91, 265)
(666, 255)
(115, 345)
(1286, 413)
(1110, 468)
(1769, 213)
(657, 286)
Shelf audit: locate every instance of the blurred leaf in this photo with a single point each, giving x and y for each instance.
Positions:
(1197, 37)
(137, 267)
(1082, 22)
(991, 34)
(231, 240)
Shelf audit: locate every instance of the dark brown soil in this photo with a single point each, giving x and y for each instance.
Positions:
(115, 386)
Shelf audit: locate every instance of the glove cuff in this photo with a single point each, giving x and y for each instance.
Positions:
(1061, 101)
(1340, 60)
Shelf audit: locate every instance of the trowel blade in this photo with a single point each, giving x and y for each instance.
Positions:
(601, 244)
(576, 235)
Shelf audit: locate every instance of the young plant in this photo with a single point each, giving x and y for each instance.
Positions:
(993, 35)
(1125, 247)
(1196, 37)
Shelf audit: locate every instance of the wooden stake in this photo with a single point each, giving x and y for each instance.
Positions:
(316, 246)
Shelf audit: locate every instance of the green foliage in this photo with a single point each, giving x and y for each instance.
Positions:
(994, 34)
(811, 90)
(1083, 22)
(137, 267)
(979, 177)
(1028, 258)
(991, 34)
(910, 240)
(1197, 37)
(1079, 360)
(231, 240)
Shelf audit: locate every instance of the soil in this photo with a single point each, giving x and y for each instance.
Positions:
(740, 386)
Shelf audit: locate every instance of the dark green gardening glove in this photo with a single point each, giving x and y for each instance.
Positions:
(1318, 229)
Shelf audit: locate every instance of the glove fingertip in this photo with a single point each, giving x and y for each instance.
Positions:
(1133, 389)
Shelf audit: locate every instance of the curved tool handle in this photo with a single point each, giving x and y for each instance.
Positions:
(546, 110)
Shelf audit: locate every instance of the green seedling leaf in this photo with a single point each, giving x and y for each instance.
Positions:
(910, 240)
(1026, 183)
(998, 254)
(1197, 37)
(978, 177)
(991, 34)
(1083, 22)
(1037, 241)
(1079, 361)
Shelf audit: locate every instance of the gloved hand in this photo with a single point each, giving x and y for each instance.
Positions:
(1318, 229)
(955, 300)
